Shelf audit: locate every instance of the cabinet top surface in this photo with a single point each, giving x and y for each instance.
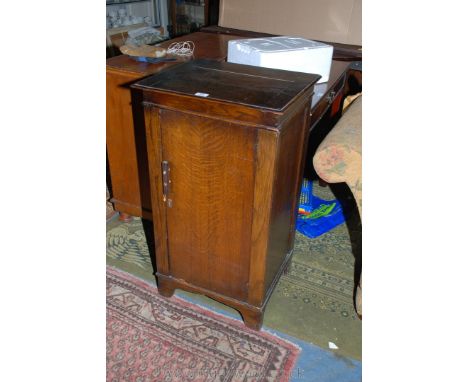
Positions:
(240, 84)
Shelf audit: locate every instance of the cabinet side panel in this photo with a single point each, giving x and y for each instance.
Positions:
(285, 190)
(126, 146)
(266, 154)
(209, 203)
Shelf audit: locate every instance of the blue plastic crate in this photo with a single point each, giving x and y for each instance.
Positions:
(317, 216)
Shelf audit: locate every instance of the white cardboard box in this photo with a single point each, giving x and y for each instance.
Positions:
(288, 53)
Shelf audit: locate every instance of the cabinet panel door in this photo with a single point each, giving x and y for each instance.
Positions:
(209, 205)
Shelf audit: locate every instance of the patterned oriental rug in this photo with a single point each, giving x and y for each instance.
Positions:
(152, 338)
(313, 303)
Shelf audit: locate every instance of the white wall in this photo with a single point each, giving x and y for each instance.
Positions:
(327, 20)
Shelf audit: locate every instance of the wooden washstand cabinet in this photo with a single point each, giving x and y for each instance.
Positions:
(226, 146)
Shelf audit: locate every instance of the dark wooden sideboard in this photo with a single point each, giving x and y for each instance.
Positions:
(126, 141)
(226, 146)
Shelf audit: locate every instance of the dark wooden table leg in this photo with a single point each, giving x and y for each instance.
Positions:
(165, 288)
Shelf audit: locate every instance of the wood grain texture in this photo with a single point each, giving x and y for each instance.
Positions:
(126, 144)
(266, 155)
(125, 132)
(303, 141)
(252, 314)
(216, 109)
(229, 91)
(122, 143)
(225, 222)
(284, 204)
(261, 88)
(211, 194)
(154, 141)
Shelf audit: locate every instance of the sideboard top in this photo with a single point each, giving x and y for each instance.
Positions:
(251, 86)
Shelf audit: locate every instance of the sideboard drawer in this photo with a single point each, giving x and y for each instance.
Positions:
(326, 95)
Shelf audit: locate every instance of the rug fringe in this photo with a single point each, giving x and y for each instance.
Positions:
(267, 330)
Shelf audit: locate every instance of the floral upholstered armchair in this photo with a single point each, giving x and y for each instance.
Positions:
(339, 159)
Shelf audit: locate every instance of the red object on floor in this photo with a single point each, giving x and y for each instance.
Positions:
(152, 338)
(336, 105)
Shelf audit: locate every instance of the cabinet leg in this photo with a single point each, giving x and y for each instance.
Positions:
(165, 288)
(126, 218)
(253, 319)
